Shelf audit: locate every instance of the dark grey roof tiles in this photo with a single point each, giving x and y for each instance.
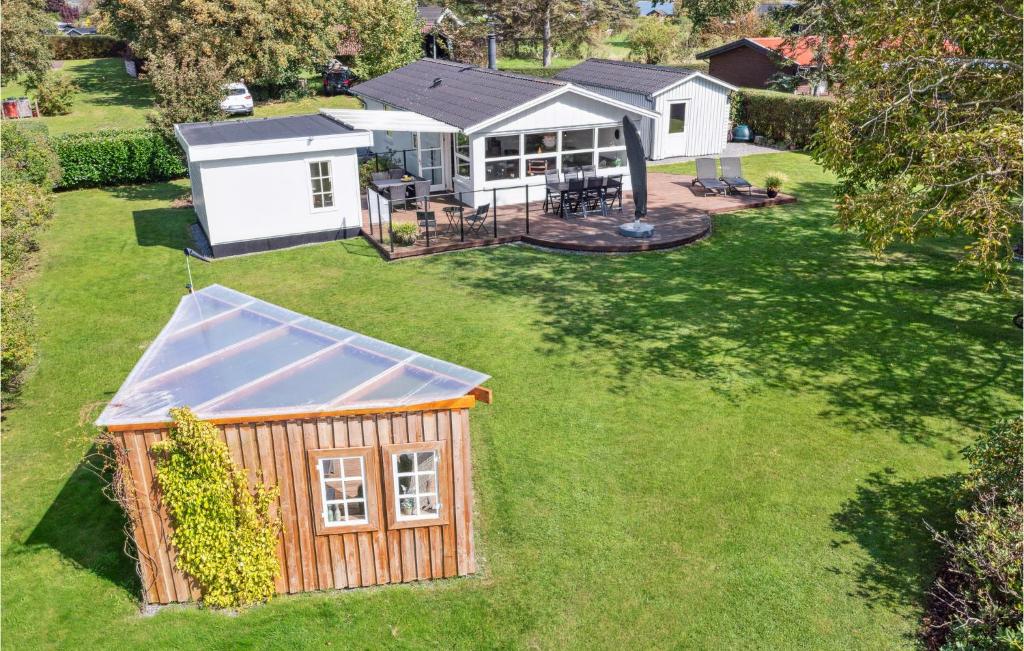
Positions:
(623, 75)
(233, 131)
(465, 95)
(430, 14)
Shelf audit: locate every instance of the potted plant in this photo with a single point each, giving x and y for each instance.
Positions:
(772, 183)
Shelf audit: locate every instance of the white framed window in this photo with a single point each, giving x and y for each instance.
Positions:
(677, 117)
(345, 489)
(577, 147)
(320, 180)
(417, 482)
(611, 148)
(461, 155)
(534, 153)
(502, 157)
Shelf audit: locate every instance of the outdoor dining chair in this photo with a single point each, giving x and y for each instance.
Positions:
(570, 173)
(588, 171)
(379, 176)
(732, 175)
(707, 177)
(551, 193)
(426, 220)
(593, 189)
(396, 173)
(612, 193)
(574, 200)
(478, 219)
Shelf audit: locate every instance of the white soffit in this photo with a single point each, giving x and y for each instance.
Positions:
(388, 121)
(229, 355)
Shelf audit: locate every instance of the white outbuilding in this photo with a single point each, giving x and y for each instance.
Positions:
(275, 182)
(692, 108)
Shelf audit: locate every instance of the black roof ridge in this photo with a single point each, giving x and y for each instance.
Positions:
(635, 64)
(491, 71)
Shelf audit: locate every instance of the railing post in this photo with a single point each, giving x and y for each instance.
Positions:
(494, 209)
(391, 229)
(462, 230)
(527, 208)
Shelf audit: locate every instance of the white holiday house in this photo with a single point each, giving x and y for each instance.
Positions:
(486, 133)
(692, 109)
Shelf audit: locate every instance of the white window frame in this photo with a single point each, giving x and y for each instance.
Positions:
(443, 484)
(313, 193)
(668, 118)
(460, 158)
(370, 477)
(344, 501)
(416, 473)
(498, 159)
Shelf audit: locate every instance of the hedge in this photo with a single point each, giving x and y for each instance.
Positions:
(85, 47)
(117, 157)
(791, 119)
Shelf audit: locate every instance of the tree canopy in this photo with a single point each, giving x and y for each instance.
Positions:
(387, 33)
(654, 40)
(925, 136)
(26, 50)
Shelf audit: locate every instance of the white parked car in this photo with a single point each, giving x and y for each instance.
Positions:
(238, 100)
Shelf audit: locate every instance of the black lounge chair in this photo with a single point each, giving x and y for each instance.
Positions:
(707, 177)
(732, 175)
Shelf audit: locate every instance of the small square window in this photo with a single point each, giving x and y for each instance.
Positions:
(345, 499)
(417, 484)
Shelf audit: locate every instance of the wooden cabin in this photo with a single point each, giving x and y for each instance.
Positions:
(368, 442)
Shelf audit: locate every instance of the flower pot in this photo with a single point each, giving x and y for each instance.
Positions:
(772, 193)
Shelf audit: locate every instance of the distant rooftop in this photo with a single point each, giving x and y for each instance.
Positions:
(235, 131)
(228, 355)
(458, 94)
(624, 75)
(646, 7)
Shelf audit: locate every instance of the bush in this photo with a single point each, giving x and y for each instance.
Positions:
(85, 47)
(792, 119)
(977, 600)
(17, 348)
(116, 157)
(223, 531)
(28, 155)
(404, 234)
(55, 93)
(25, 209)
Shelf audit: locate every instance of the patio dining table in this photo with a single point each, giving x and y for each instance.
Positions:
(391, 184)
(562, 189)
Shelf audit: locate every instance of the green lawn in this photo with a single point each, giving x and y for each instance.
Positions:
(730, 445)
(110, 99)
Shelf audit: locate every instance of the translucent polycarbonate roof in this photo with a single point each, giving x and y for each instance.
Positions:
(229, 355)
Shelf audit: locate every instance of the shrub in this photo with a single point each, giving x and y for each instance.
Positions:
(55, 93)
(775, 181)
(115, 157)
(187, 89)
(225, 537)
(977, 600)
(25, 209)
(17, 346)
(85, 47)
(404, 234)
(28, 155)
(792, 119)
(653, 40)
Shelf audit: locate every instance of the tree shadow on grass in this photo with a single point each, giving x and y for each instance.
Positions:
(887, 517)
(778, 298)
(164, 227)
(108, 84)
(87, 529)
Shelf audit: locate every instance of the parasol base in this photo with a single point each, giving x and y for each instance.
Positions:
(636, 229)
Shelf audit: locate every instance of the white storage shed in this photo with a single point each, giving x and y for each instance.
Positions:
(275, 182)
(692, 109)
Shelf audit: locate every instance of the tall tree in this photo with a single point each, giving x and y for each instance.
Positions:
(926, 134)
(566, 23)
(703, 11)
(654, 40)
(26, 50)
(265, 42)
(387, 33)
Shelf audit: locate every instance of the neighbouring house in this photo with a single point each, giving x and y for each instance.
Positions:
(273, 182)
(777, 7)
(658, 9)
(752, 62)
(485, 134)
(368, 443)
(438, 24)
(71, 30)
(691, 109)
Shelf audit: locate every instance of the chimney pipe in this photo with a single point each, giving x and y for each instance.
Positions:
(492, 50)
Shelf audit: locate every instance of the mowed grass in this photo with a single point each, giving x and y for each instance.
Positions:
(109, 98)
(732, 445)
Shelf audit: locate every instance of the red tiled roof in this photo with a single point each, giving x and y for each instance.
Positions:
(801, 53)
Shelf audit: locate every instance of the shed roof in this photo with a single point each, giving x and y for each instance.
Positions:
(647, 7)
(235, 131)
(228, 355)
(458, 94)
(624, 75)
(800, 51)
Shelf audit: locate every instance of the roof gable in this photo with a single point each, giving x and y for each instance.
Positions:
(229, 355)
(800, 52)
(458, 94)
(624, 75)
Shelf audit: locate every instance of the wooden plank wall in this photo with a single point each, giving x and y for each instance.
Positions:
(276, 452)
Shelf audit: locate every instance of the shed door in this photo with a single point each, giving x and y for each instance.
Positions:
(675, 136)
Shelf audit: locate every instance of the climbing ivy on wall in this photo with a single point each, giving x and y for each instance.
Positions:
(223, 530)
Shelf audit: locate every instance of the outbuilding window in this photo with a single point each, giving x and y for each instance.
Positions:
(677, 117)
(346, 480)
(320, 177)
(417, 484)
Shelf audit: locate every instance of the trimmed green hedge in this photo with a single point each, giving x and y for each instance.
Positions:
(117, 157)
(791, 119)
(85, 47)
